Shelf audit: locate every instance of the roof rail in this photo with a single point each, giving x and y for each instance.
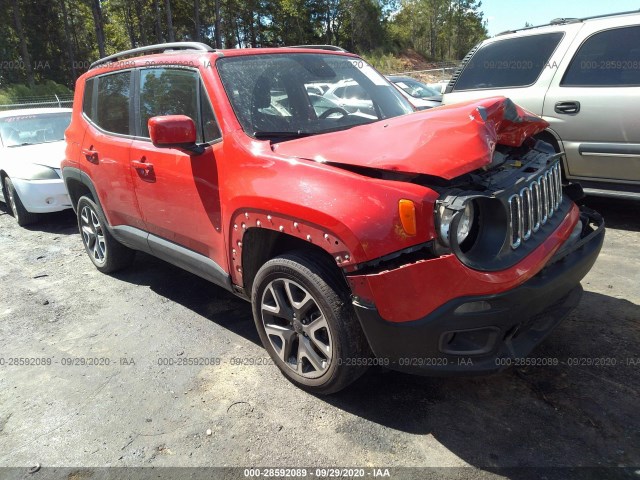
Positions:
(161, 47)
(565, 21)
(332, 48)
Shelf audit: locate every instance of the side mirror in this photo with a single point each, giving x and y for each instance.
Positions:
(174, 131)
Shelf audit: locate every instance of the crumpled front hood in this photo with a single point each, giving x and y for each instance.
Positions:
(446, 142)
(49, 154)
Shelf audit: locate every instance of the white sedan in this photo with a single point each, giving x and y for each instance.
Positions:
(419, 95)
(31, 148)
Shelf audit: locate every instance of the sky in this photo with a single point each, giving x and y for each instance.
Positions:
(504, 15)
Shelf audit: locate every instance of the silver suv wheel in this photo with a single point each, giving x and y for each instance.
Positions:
(302, 311)
(106, 253)
(296, 328)
(93, 234)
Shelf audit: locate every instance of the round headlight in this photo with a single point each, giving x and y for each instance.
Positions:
(446, 216)
(465, 224)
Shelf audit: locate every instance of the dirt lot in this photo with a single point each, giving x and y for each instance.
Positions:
(143, 405)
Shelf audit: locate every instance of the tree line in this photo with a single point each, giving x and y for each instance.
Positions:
(56, 40)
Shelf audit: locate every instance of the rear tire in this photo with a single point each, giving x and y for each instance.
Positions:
(106, 253)
(22, 216)
(303, 313)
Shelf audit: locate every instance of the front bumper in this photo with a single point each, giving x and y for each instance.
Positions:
(478, 334)
(42, 196)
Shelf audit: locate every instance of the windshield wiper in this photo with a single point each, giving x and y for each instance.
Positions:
(20, 144)
(296, 134)
(301, 134)
(344, 127)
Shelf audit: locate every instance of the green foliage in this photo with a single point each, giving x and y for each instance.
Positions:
(17, 92)
(62, 38)
(440, 29)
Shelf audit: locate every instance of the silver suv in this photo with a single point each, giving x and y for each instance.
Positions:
(583, 77)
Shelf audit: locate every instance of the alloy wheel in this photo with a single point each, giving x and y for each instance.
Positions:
(296, 328)
(93, 234)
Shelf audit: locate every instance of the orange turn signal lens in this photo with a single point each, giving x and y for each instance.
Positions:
(407, 211)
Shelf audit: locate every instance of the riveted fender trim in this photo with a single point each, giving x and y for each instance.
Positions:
(246, 219)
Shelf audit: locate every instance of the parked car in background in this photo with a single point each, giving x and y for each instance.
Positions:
(439, 86)
(31, 149)
(583, 77)
(437, 242)
(318, 88)
(350, 96)
(419, 95)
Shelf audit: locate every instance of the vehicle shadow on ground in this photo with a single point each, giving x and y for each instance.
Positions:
(575, 413)
(63, 222)
(4, 210)
(617, 213)
(194, 293)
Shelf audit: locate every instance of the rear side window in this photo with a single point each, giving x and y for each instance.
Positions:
(113, 102)
(167, 91)
(607, 59)
(87, 101)
(512, 62)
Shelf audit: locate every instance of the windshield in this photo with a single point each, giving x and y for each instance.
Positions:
(281, 96)
(33, 128)
(416, 89)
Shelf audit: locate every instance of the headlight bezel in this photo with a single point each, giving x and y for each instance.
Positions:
(462, 220)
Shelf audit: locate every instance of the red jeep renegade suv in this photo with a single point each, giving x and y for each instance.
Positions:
(362, 232)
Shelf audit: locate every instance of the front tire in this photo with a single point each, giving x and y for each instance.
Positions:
(302, 311)
(22, 216)
(106, 253)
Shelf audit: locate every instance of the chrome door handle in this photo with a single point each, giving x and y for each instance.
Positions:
(568, 108)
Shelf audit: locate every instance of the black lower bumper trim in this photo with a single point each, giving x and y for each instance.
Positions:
(480, 334)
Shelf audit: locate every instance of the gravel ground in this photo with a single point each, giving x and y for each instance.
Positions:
(144, 405)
